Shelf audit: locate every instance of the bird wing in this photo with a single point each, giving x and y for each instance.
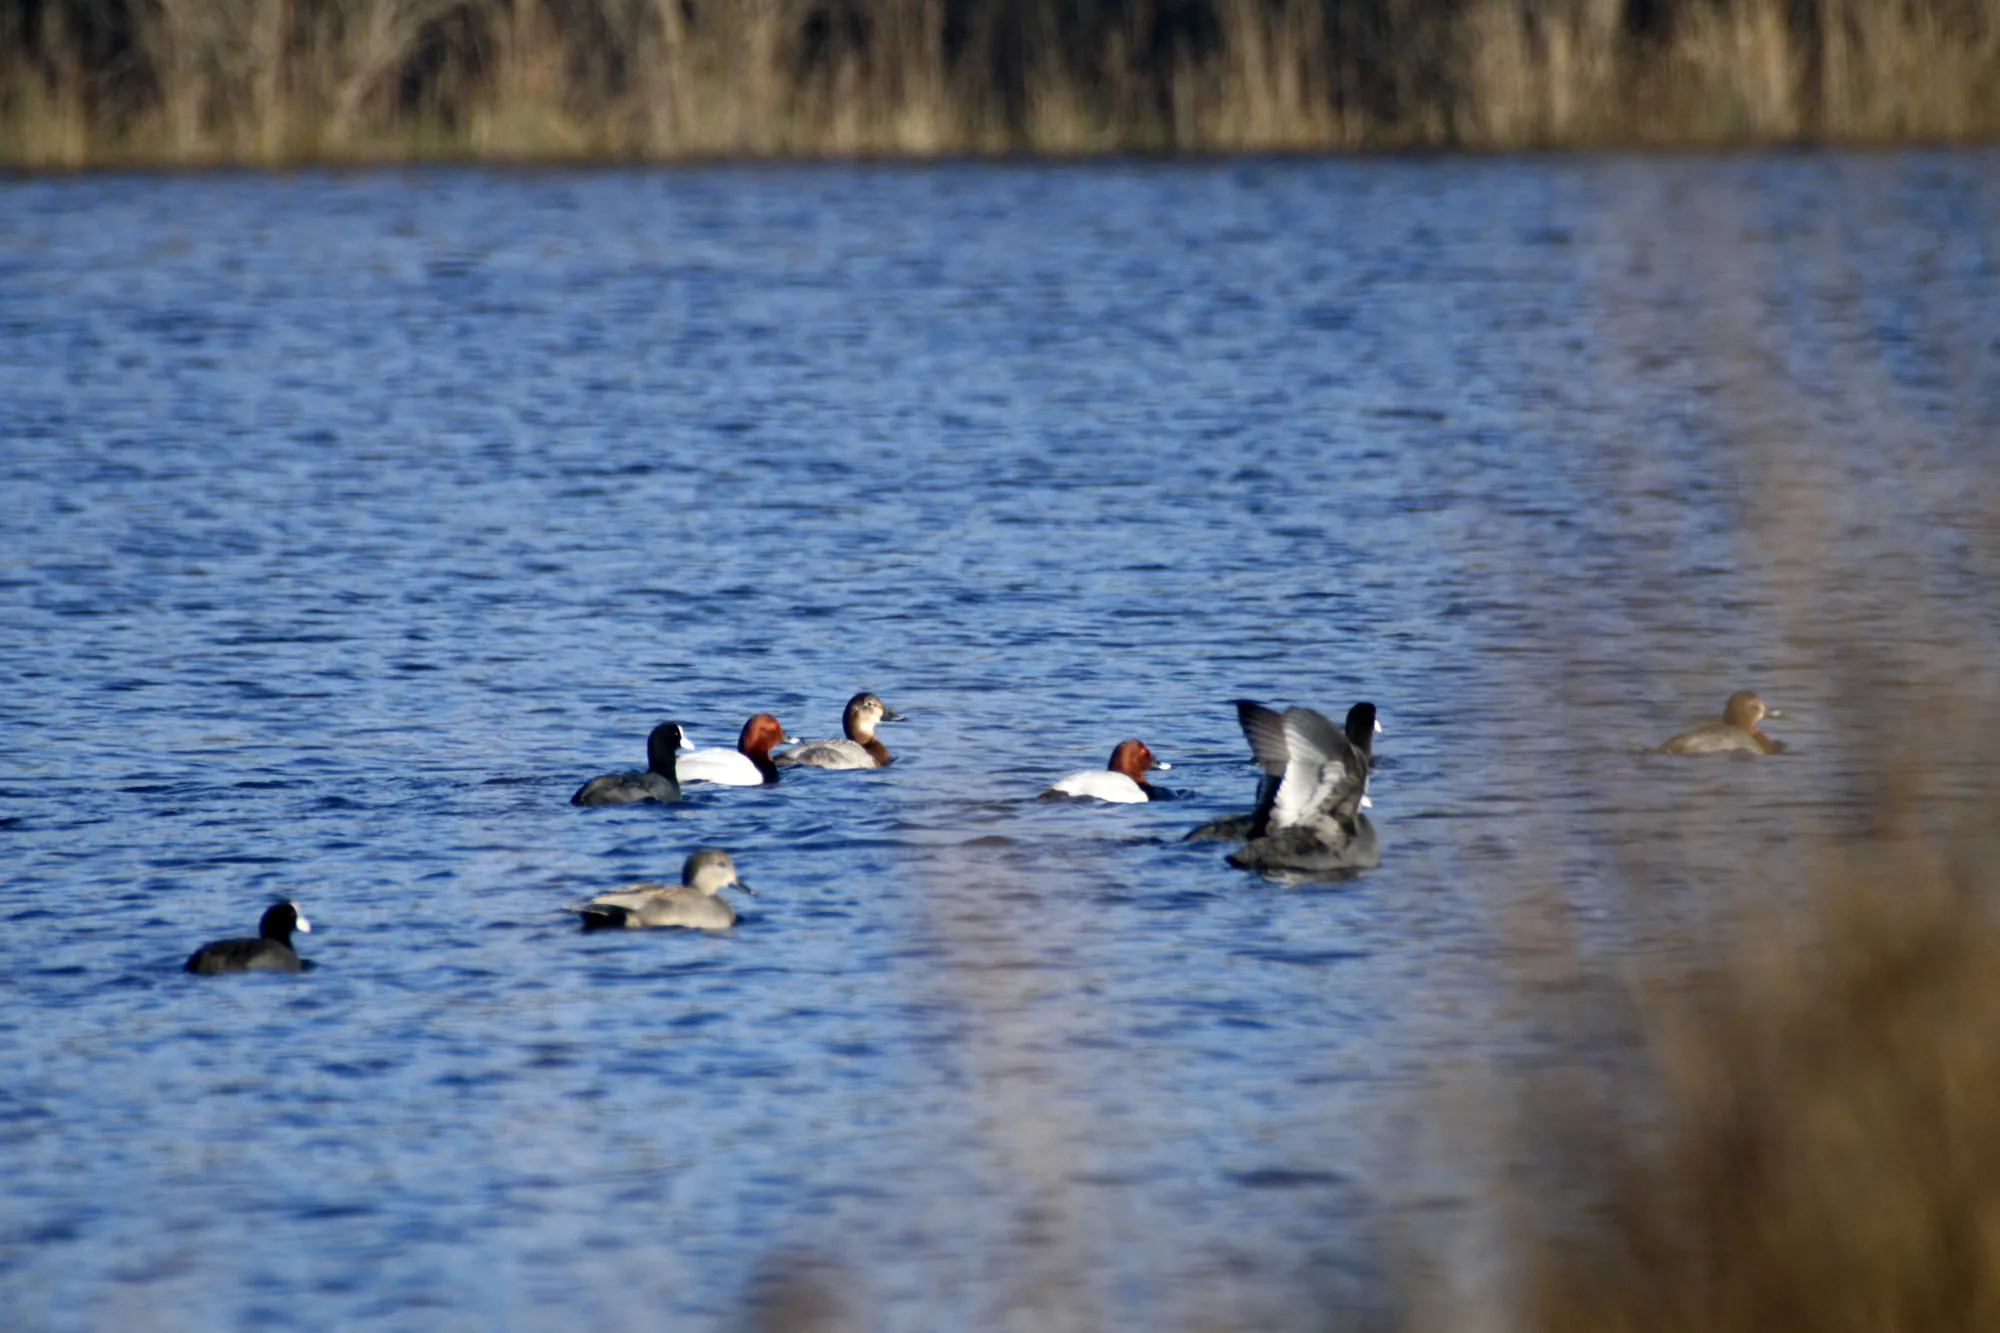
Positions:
(1324, 773)
(631, 897)
(1264, 728)
(1311, 767)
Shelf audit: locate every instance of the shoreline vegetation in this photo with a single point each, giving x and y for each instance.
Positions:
(127, 83)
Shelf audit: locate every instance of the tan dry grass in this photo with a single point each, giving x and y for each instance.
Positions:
(1730, 73)
(45, 117)
(273, 81)
(1791, 1127)
(1811, 1144)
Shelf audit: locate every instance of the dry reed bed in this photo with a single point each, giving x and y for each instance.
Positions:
(1785, 1119)
(107, 82)
(1796, 1135)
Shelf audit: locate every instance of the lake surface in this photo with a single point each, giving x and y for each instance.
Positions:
(352, 520)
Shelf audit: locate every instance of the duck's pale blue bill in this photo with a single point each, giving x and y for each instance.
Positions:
(891, 715)
(744, 885)
(791, 740)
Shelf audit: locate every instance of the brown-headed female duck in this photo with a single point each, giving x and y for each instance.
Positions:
(1738, 730)
(859, 749)
(748, 765)
(1123, 779)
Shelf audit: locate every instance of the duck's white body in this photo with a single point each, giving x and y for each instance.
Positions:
(1121, 781)
(1103, 785)
(729, 768)
(748, 765)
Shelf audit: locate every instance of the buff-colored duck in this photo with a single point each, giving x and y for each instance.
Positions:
(1737, 730)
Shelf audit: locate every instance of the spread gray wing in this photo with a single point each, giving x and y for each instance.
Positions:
(1324, 773)
(1264, 728)
(1311, 768)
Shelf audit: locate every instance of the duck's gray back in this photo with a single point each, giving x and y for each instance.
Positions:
(836, 753)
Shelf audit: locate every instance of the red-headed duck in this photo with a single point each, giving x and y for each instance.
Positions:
(1311, 818)
(657, 783)
(859, 749)
(1123, 779)
(1361, 729)
(1738, 730)
(271, 951)
(748, 765)
(695, 902)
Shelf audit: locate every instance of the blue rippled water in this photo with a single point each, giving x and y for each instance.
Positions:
(351, 520)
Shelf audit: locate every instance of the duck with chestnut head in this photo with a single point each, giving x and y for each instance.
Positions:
(1122, 780)
(748, 765)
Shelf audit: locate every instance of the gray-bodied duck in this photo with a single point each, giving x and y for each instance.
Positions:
(696, 902)
(859, 748)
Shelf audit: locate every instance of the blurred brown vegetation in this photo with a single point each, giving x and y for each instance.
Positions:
(1780, 1116)
(88, 82)
(1800, 1134)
